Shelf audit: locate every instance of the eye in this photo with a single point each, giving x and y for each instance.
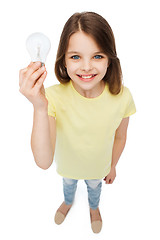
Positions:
(98, 56)
(75, 57)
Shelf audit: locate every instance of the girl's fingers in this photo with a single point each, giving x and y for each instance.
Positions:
(24, 74)
(29, 70)
(40, 82)
(32, 67)
(31, 63)
(107, 179)
(36, 76)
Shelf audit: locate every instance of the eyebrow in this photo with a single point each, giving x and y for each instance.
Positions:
(74, 52)
(70, 52)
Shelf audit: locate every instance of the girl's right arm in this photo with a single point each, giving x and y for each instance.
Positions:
(44, 127)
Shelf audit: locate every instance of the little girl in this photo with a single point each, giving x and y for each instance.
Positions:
(81, 122)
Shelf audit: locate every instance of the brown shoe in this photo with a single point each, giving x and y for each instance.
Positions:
(96, 220)
(61, 213)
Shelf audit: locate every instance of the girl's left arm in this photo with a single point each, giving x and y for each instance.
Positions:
(118, 146)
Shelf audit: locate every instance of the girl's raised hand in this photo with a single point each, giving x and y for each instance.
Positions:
(31, 81)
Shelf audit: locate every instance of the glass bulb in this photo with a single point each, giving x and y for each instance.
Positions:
(38, 46)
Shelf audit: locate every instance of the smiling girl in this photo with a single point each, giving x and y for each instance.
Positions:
(81, 122)
(86, 65)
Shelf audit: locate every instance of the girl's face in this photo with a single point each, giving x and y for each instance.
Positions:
(86, 64)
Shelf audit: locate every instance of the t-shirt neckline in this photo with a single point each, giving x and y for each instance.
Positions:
(85, 98)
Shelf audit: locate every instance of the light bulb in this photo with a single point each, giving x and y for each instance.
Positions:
(38, 46)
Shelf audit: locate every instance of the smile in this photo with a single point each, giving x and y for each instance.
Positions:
(86, 77)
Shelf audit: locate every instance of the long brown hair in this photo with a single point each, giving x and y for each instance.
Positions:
(97, 27)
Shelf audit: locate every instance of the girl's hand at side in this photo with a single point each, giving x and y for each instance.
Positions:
(111, 176)
(31, 81)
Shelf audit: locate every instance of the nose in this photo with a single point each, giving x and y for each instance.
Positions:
(86, 66)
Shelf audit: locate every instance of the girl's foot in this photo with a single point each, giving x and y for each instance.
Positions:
(61, 213)
(96, 220)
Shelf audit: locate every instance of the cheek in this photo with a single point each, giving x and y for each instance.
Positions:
(103, 68)
(71, 68)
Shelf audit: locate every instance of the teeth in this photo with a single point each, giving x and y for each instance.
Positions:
(90, 76)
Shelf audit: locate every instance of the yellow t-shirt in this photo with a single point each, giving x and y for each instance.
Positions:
(85, 129)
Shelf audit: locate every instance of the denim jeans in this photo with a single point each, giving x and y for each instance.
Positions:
(93, 187)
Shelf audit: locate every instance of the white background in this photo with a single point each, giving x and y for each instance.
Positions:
(29, 195)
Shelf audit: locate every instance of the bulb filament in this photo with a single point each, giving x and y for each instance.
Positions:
(38, 52)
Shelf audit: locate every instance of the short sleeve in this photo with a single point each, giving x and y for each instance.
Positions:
(51, 104)
(130, 105)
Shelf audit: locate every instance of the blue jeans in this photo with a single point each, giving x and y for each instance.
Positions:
(93, 187)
